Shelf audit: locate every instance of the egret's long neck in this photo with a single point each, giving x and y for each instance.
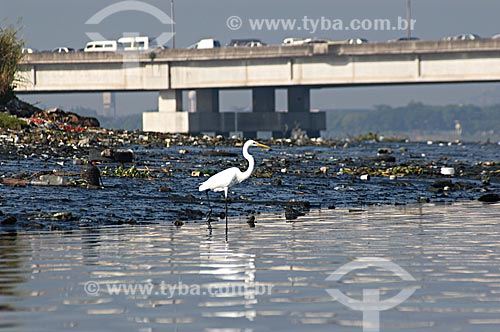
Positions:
(251, 163)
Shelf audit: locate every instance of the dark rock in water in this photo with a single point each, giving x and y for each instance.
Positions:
(95, 155)
(442, 183)
(178, 223)
(292, 214)
(111, 155)
(331, 207)
(383, 158)
(123, 156)
(10, 220)
(441, 186)
(277, 182)
(91, 175)
(118, 155)
(489, 198)
(384, 151)
(190, 197)
(164, 189)
(251, 221)
(423, 199)
(192, 213)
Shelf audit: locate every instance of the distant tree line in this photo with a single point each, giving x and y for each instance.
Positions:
(127, 122)
(416, 116)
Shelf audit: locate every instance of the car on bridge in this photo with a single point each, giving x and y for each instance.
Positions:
(246, 43)
(291, 41)
(403, 39)
(27, 50)
(63, 50)
(101, 46)
(138, 43)
(465, 36)
(306, 41)
(356, 41)
(206, 43)
(318, 41)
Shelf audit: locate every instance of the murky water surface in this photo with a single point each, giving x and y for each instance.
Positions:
(122, 265)
(269, 278)
(293, 173)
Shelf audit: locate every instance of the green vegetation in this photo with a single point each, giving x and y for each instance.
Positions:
(123, 172)
(416, 116)
(10, 57)
(10, 122)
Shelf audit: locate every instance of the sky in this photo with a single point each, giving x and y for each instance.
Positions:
(46, 24)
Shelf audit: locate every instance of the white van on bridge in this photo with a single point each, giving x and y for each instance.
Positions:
(101, 46)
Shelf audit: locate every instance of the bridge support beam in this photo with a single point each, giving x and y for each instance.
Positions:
(170, 101)
(298, 99)
(109, 104)
(263, 100)
(207, 100)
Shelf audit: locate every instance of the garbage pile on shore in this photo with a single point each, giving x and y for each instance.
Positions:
(54, 118)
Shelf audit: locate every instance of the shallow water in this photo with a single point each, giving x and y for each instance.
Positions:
(296, 168)
(452, 252)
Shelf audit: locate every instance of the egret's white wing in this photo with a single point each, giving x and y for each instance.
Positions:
(221, 180)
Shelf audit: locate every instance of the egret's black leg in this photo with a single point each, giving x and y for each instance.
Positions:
(226, 215)
(210, 212)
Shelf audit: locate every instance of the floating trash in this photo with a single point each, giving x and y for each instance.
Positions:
(447, 171)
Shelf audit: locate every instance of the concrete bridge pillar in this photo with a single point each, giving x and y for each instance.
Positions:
(207, 100)
(109, 104)
(170, 101)
(263, 100)
(298, 99)
(169, 118)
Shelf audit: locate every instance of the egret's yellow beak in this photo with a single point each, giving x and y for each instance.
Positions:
(263, 146)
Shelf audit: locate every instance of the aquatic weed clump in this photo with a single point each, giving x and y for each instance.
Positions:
(124, 172)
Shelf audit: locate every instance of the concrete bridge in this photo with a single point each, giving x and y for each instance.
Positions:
(262, 69)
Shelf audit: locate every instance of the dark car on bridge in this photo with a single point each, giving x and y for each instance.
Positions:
(405, 39)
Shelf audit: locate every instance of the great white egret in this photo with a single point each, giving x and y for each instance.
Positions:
(224, 180)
